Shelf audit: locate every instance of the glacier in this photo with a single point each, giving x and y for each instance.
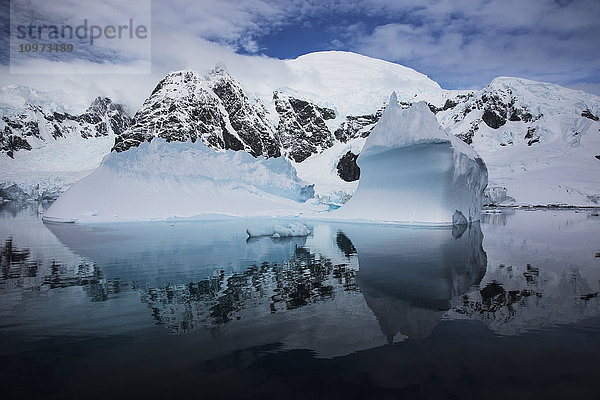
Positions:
(161, 181)
(414, 172)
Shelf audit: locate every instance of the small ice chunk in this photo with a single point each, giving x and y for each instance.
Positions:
(292, 229)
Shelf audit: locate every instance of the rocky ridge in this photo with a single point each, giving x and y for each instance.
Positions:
(523, 129)
(36, 125)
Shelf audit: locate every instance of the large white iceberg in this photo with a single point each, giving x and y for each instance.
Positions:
(160, 180)
(414, 172)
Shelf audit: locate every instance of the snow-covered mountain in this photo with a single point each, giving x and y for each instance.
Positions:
(214, 109)
(302, 130)
(44, 149)
(540, 141)
(37, 124)
(16, 98)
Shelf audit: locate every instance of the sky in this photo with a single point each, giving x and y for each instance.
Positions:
(459, 44)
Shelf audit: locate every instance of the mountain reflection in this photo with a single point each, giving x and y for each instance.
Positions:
(269, 288)
(406, 278)
(345, 288)
(20, 270)
(542, 271)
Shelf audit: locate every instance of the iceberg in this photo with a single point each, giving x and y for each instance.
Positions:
(160, 181)
(414, 172)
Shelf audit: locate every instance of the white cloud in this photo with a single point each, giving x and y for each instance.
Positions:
(172, 50)
(467, 46)
(460, 43)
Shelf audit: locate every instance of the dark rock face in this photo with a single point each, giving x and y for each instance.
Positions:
(359, 126)
(215, 110)
(501, 106)
(498, 105)
(247, 118)
(100, 119)
(302, 130)
(532, 136)
(10, 143)
(493, 119)
(467, 137)
(180, 108)
(587, 113)
(347, 168)
(118, 117)
(448, 105)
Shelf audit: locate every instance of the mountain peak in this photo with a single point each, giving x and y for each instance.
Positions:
(100, 105)
(393, 100)
(219, 69)
(173, 81)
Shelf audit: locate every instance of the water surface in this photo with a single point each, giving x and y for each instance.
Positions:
(508, 307)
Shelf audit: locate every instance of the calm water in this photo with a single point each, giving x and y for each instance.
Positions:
(505, 309)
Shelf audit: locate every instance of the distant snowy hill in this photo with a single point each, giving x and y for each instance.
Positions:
(16, 98)
(353, 84)
(44, 149)
(539, 141)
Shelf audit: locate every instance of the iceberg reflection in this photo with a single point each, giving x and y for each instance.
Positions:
(409, 276)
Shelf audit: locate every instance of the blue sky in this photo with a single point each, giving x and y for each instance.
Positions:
(460, 44)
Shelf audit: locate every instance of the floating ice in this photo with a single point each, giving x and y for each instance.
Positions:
(292, 230)
(160, 180)
(414, 172)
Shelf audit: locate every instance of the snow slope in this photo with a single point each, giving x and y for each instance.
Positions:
(16, 98)
(48, 170)
(537, 139)
(353, 84)
(321, 170)
(160, 180)
(414, 172)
